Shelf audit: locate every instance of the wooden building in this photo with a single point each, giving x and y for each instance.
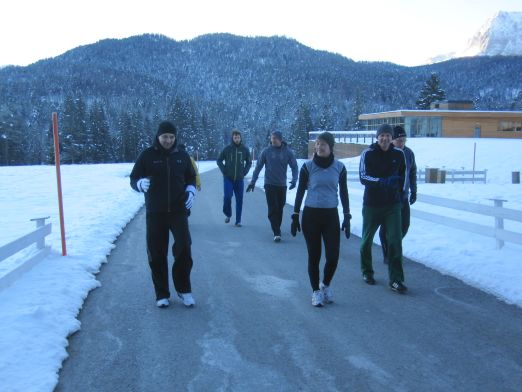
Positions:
(442, 122)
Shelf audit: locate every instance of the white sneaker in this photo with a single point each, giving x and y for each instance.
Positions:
(317, 298)
(327, 293)
(162, 303)
(277, 238)
(187, 299)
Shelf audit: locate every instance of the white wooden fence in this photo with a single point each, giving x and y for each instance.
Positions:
(458, 175)
(497, 211)
(451, 175)
(37, 236)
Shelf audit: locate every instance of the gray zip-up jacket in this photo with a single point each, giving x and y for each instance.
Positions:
(275, 160)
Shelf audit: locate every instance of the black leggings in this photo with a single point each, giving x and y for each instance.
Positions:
(321, 223)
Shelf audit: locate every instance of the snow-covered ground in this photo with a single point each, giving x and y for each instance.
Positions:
(39, 310)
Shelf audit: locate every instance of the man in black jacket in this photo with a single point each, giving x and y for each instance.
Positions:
(166, 176)
(382, 171)
(410, 184)
(234, 162)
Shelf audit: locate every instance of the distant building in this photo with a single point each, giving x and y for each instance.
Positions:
(452, 105)
(449, 119)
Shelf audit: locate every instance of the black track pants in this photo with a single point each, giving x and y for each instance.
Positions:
(158, 227)
(276, 199)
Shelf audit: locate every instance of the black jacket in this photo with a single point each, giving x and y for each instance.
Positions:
(377, 164)
(236, 163)
(170, 172)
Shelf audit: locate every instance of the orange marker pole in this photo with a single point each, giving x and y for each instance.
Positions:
(59, 180)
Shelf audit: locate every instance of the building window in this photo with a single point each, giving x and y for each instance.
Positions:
(423, 126)
(373, 124)
(509, 126)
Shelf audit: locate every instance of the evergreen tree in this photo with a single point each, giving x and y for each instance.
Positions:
(99, 143)
(72, 127)
(301, 128)
(11, 137)
(325, 121)
(431, 92)
(353, 122)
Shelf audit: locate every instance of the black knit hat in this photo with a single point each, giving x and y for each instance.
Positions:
(328, 138)
(278, 135)
(398, 132)
(384, 128)
(166, 127)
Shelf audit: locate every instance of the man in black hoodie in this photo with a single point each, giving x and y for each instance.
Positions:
(234, 163)
(165, 174)
(382, 171)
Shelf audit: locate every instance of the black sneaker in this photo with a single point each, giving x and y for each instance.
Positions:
(398, 287)
(369, 279)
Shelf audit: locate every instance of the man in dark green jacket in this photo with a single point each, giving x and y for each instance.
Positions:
(234, 162)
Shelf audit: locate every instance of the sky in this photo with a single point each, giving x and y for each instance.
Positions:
(34, 328)
(406, 32)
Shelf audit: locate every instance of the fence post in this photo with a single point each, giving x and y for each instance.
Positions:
(40, 222)
(499, 222)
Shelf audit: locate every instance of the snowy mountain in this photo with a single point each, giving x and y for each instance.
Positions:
(501, 35)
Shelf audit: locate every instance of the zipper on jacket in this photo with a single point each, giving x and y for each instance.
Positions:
(168, 184)
(235, 166)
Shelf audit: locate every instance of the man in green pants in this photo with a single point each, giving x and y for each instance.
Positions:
(382, 171)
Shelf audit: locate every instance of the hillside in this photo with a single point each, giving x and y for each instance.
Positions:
(215, 82)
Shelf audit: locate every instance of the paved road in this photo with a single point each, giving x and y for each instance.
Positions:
(254, 328)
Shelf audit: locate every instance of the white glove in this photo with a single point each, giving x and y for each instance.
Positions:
(190, 192)
(143, 184)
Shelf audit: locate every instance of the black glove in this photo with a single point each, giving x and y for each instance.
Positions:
(292, 185)
(413, 198)
(295, 224)
(346, 225)
(390, 182)
(251, 187)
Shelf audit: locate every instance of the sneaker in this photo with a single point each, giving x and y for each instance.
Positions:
(227, 219)
(398, 287)
(369, 279)
(327, 293)
(238, 224)
(162, 303)
(317, 298)
(277, 238)
(188, 299)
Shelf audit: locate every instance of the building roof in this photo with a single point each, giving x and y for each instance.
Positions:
(442, 113)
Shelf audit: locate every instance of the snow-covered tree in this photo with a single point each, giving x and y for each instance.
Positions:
(431, 92)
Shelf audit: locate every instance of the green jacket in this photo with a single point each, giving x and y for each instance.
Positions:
(234, 161)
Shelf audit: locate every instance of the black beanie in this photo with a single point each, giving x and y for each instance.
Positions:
(278, 135)
(384, 128)
(328, 138)
(398, 132)
(166, 127)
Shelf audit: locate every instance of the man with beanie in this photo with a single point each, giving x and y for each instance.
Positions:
(234, 163)
(275, 158)
(164, 173)
(409, 194)
(382, 171)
